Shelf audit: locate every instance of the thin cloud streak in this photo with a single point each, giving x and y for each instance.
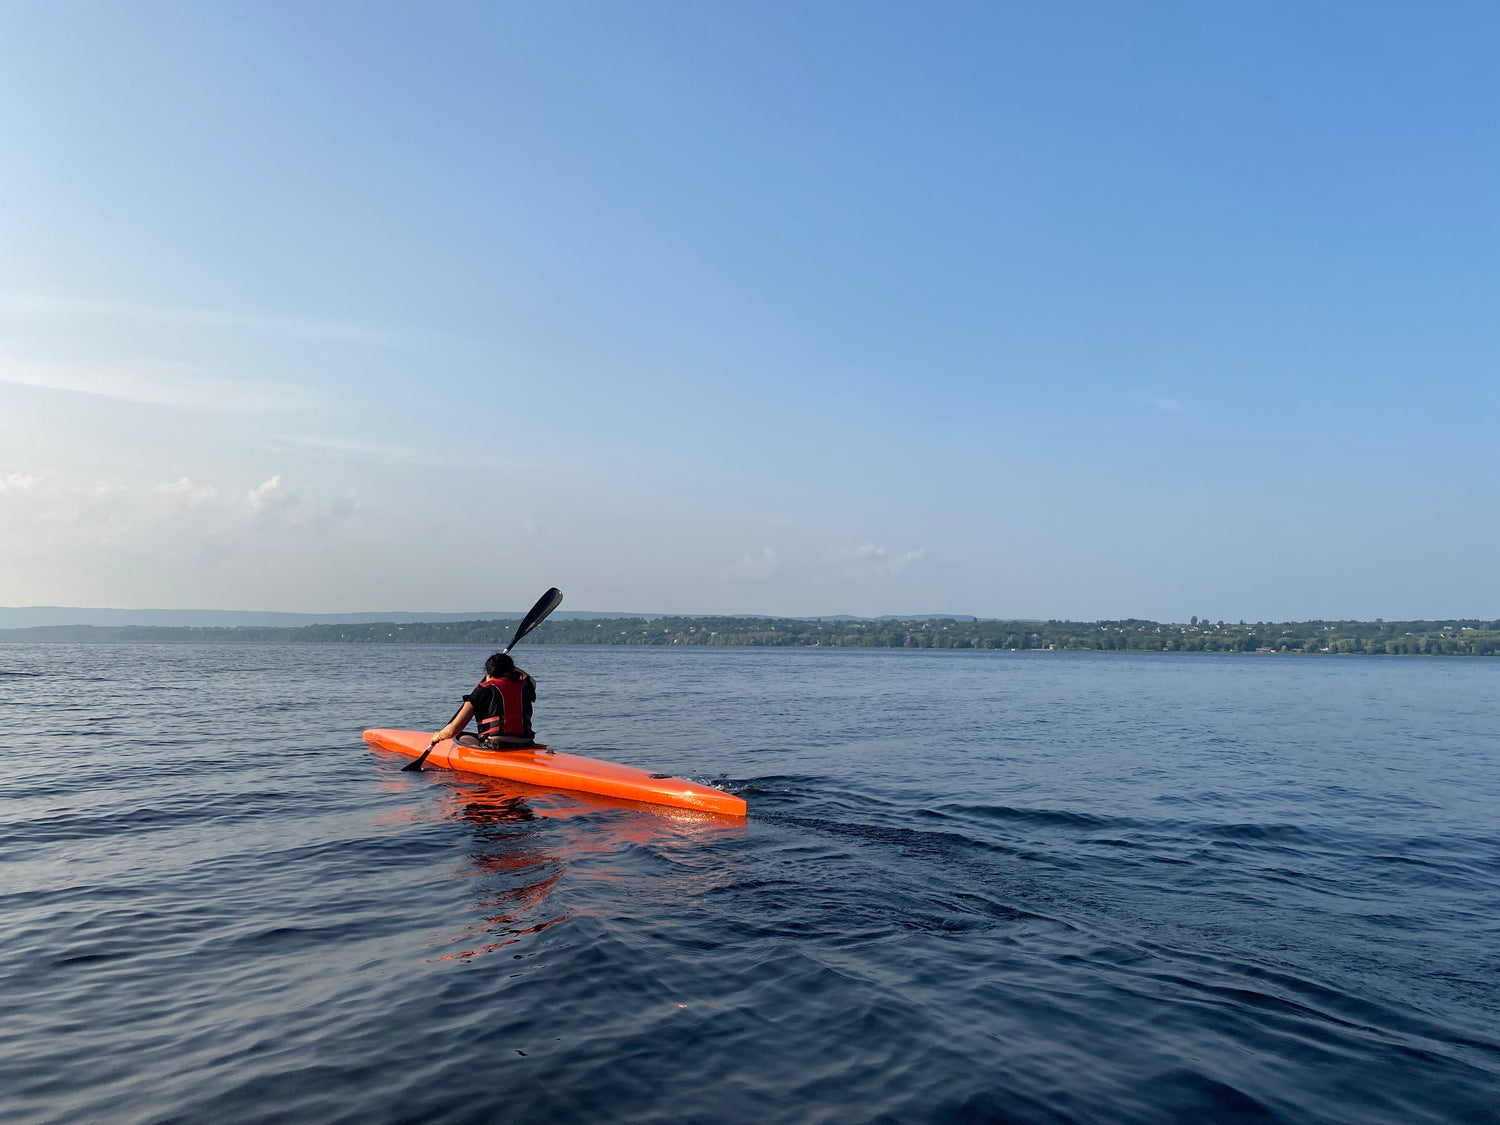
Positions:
(161, 384)
(40, 305)
(353, 446)
(445, 453)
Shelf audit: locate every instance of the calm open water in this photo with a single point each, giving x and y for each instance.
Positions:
(973, 887)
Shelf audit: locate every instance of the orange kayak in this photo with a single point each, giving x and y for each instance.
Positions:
(538, 766)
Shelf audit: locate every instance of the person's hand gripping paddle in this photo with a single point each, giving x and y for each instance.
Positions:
(545, 605)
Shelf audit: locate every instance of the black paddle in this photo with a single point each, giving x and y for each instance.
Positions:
(544, 605)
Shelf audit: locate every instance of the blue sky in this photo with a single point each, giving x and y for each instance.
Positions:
(1086, 310)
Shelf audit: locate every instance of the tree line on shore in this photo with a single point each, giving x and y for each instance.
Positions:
(1457, 637)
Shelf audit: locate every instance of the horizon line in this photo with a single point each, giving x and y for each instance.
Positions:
(447, 616)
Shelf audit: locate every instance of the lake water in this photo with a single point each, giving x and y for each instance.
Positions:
(972, 887)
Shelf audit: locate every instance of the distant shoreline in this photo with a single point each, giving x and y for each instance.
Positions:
(1456, 637)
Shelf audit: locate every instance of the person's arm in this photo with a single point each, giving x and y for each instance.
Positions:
(461, 720)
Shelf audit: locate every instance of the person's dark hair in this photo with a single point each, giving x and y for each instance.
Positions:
(500, 665)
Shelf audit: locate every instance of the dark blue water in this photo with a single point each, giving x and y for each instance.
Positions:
(973, 887)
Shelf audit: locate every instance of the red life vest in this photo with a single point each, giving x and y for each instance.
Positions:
(511, 718)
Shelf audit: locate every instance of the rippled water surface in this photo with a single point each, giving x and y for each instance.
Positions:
(973, 887)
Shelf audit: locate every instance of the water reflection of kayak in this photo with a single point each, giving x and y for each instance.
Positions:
(516, 865)
(539, 766)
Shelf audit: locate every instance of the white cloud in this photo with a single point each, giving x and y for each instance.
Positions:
(159, 384)
(883, 560)
(41, 514)
(897, 563)
(865, 561)
(266, 495)
(185, 491)
(754, 568)
(76, 540)
(273, 502)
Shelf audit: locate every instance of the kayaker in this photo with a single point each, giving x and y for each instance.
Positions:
(501, 702)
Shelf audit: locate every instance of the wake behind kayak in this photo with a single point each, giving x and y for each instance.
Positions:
(538, 766)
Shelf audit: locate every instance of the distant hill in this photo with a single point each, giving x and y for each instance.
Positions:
(37, 616)
(31, 617)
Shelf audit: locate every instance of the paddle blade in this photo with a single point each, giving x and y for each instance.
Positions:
(545, 605)
(416, 764)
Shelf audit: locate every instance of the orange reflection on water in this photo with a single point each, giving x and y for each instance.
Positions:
(519, 863)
